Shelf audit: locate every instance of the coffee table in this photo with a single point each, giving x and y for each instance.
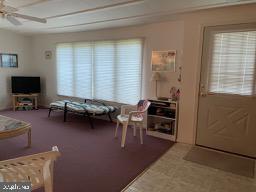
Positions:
(10, 127)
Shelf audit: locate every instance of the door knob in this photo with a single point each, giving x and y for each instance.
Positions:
(203, 94)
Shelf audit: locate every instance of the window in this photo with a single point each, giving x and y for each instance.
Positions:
(107, 70)
(233, 62)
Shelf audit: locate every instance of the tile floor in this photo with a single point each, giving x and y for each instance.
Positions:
(173, 174)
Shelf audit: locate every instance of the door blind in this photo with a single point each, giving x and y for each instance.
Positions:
(232, 63)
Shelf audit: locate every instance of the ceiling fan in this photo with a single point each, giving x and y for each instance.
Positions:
(10, 14)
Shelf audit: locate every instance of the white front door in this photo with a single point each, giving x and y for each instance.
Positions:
(227, 106)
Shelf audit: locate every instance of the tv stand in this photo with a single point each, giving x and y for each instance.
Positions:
(16, 97)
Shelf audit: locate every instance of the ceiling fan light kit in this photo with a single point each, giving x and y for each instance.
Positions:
(10, 14)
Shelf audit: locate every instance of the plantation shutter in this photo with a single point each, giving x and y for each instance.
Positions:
(233, 63)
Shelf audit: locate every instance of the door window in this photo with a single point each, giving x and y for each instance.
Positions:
(232, 62)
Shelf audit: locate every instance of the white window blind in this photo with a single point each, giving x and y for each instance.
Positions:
(83, 70)
(128, 73)
(64, 56)
(233, 63)
(104, 71)
(74, 66)
(107, 70)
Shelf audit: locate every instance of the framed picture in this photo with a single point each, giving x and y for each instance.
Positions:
(8, 60)
(163, 60)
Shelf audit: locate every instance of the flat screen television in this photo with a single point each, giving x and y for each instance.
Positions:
(26, 85)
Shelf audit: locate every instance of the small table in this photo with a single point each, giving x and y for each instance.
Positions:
(10, 127)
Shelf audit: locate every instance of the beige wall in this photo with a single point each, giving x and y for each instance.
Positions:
(13, 43)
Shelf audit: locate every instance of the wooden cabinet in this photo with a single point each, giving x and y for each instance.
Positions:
(162, 119)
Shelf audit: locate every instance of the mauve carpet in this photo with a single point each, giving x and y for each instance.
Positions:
(91, 159)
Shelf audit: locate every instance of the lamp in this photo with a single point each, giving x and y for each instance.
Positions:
(156, 77)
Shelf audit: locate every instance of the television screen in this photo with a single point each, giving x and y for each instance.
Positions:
(26, 85)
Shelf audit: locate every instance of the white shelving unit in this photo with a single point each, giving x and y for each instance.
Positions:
(162, 119)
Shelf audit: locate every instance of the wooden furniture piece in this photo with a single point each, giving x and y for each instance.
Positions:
(10, 127)
(89, 108)
(162, 119)
(37, 169)
(132, 115)
(17, 97)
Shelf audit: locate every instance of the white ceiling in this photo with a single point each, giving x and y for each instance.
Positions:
(82, 15)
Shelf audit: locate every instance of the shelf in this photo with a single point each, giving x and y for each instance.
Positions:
(162, 117)
(18, 105)
(25, 95)
(164, 107)
(161, 135)
(162, 101)
(24, 105)
(158, 116)
(163, 130)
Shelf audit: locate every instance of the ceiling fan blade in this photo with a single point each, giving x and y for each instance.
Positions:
(36, 19)
(8, 9)
(13, 20)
